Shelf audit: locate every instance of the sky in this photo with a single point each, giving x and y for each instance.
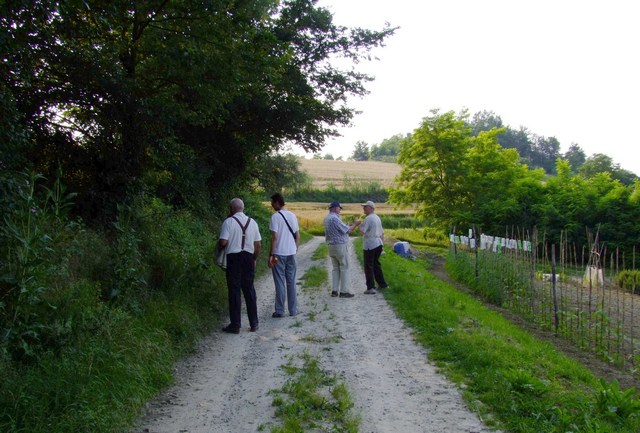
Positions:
(562, 68)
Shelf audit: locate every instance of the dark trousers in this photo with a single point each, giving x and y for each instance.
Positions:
(372, 268)
(240, 273)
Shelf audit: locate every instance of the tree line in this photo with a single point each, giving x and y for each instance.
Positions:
(534, 150)
(460, 175)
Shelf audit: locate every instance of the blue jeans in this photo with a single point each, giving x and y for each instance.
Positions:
(284, 277)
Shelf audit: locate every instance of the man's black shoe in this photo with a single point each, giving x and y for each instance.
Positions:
(231, 330)
(254, 328)
(277, 315)
(346, 295)
(334, 294)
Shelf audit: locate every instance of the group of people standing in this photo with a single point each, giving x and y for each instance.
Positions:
(240, 237)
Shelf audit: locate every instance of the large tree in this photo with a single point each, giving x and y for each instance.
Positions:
(179, 94)
(434, 168)
(460, 179)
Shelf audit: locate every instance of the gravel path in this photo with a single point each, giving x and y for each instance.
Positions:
(224, 387)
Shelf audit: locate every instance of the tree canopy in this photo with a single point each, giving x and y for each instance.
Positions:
(175, 97)
(537, 151)
(388, 150)
(460, 176)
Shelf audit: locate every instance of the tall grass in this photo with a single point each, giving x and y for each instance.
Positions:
(352, 191)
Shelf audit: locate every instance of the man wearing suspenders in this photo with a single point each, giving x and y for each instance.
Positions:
(241, 238)
(285, 237)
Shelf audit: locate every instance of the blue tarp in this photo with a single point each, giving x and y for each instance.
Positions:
(402, 249)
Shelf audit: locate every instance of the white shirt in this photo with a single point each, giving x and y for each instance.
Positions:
(285, 241)
(372, 233)
(232, 233)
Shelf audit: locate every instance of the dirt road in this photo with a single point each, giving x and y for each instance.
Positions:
(224, 387)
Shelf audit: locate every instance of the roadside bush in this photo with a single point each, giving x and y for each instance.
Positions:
(179, 248)
(92, 320)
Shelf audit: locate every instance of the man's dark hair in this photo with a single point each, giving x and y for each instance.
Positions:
(277, 197)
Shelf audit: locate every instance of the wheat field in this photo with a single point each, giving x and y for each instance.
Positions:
(326, 171)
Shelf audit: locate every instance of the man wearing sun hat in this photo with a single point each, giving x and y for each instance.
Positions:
(372, 242)
(336, 234)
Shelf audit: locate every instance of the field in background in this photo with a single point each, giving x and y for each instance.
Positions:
(310, 215)
(326, 171)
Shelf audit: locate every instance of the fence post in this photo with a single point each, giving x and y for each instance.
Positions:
(553, 285)
(455, 246)
(475, 237)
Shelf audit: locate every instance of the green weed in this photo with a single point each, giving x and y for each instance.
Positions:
(313, 400)
(322, 340)
(315, 277)
(616, 404)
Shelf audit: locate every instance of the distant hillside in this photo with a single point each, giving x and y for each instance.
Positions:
(324, 172)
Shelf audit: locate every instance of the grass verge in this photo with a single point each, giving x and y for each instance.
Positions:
(514, 381)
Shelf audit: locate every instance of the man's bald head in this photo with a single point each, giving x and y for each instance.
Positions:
(236, 205)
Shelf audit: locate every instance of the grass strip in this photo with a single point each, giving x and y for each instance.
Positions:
(322, 252)
(305, 236)
(315, 277)
(514, 381)
(312, 400)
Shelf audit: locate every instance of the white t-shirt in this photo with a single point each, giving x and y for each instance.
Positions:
(232, 233)
(285, 244)
(371, 229)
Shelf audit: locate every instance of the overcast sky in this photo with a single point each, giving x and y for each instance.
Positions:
(563, 68)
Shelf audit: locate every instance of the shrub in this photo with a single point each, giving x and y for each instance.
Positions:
(629, 280)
